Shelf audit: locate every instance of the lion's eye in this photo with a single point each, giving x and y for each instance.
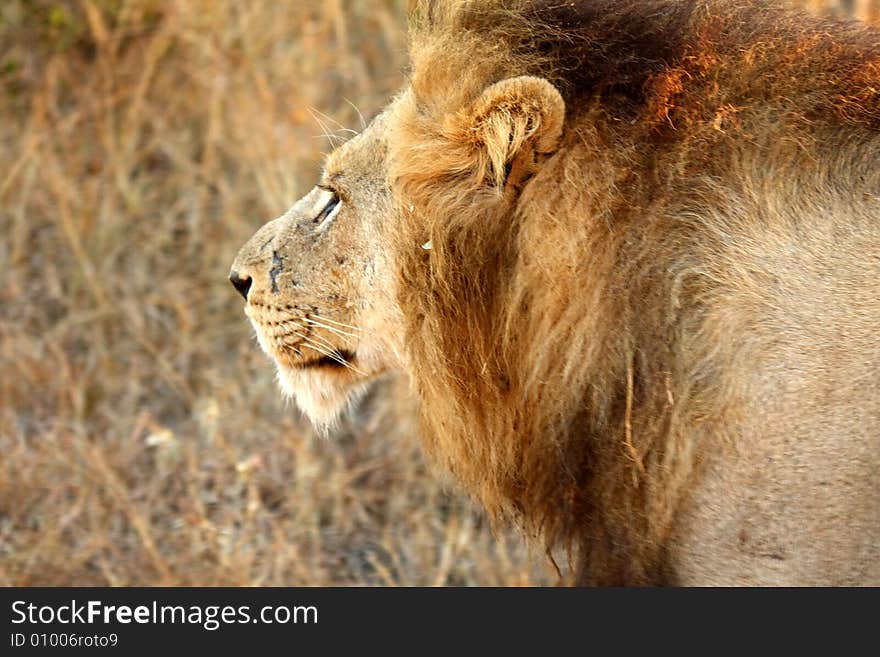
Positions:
(328, 212)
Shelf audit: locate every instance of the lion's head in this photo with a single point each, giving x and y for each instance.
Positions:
(561, 231)
(319, 283)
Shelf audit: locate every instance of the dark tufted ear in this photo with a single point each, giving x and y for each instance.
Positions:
(513, 125)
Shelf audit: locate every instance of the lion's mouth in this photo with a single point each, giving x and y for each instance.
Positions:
(323, 384)
(297, 344)
(339, 359)
(313, 368)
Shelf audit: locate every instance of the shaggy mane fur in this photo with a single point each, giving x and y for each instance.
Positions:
(585, 343)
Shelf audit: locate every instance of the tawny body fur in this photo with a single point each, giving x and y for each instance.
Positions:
(628, 254)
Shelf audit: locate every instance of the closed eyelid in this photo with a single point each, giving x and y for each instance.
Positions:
(333, 183)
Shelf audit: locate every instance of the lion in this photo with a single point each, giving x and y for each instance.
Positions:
(628, 255)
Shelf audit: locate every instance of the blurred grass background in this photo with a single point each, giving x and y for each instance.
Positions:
(142, 437)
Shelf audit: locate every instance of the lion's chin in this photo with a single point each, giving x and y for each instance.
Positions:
(323, 396)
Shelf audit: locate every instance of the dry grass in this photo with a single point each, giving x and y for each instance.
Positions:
(142, 439)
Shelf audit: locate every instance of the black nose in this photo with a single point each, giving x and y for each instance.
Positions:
(241, 283)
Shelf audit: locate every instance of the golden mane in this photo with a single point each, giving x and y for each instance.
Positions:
(583, 341)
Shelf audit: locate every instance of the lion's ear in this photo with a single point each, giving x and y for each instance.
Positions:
(514, 124)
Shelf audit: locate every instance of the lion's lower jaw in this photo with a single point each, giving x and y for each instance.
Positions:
(322, 396)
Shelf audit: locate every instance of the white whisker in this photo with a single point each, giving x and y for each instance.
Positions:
(334, 355)
(360, 116)
(339, 126)
(342, 324)
(317, 340)
(331, 328)
(328, 134)
(326, 349)
(320, 349)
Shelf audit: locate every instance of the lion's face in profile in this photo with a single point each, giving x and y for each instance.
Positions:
(318, 283)
(321, 282)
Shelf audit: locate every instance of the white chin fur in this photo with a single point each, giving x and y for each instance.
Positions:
(323, 397)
